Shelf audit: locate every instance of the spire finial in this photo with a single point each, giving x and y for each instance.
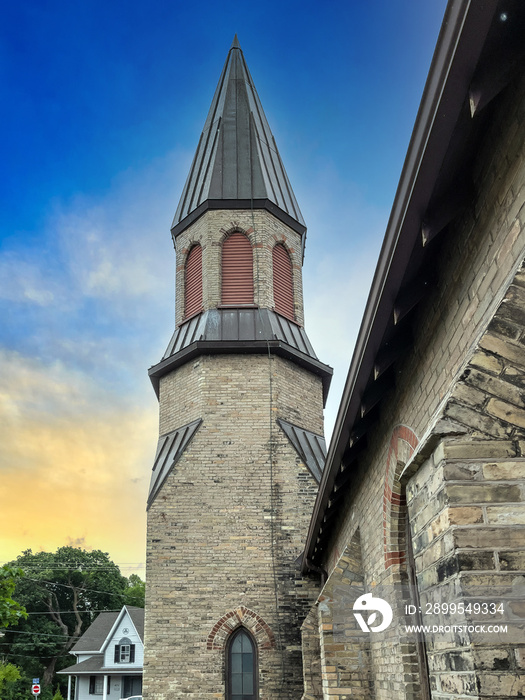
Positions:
(235, 43)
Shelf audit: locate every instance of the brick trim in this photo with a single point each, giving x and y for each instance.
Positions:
(233, 619)
(402, 445)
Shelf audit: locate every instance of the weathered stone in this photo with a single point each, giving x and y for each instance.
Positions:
(507, 412)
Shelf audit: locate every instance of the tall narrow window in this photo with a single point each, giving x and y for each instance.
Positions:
(193, 282)
(237, 270)
(242, 667)
(282, 282)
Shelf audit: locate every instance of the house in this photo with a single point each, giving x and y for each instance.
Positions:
(110, 656)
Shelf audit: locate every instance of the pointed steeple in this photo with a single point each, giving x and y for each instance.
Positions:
(237, 164)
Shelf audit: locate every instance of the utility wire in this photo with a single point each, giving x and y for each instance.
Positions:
(81, 588)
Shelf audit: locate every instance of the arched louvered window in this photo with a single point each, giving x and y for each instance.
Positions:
(282, 282)
(193, 282)
(241, 667)
(237, 270)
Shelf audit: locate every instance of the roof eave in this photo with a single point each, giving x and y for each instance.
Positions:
(235, 204)
(459, 46)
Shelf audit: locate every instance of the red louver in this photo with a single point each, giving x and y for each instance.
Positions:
(237, 270)
(193, 282)
(283, 282)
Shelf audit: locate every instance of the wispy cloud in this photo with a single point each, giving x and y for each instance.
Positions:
(74, 460)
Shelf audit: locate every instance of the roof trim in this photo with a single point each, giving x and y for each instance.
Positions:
(121, 614)
(257, 347)
(463, 33)
(237, 204)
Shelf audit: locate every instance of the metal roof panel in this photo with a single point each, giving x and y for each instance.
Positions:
(237, 157)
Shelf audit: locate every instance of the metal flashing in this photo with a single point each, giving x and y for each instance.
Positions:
(310, 447)
(240, 330)
(237, 160)
(169, 450)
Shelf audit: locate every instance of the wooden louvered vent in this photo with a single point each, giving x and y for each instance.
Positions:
(283, 282)
(237, 270)
(193, 282)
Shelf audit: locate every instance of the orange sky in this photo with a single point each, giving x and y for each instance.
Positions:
(78, 467)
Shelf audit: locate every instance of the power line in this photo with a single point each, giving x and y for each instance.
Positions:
(81, 588)
(42, 634)
(72, 612)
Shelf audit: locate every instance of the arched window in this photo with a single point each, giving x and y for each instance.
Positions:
(282, 282)
(237, 270)
(241, 667)
(193, 282)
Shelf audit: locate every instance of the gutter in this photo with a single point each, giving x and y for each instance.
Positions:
(460, 42)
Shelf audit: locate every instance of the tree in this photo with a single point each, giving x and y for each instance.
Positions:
(58, 695)
(63, 593)
(11, 612)
(8, 674)
(136, 591)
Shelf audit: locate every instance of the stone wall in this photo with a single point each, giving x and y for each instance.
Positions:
(228, 526)
(463, 381)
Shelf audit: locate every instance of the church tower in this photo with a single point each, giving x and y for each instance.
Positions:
(241, 447)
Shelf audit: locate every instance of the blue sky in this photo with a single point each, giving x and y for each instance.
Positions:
(104, 103)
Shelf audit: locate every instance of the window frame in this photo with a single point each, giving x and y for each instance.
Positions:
(228, 664)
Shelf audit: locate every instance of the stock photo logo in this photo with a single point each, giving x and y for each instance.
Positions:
(377, 605)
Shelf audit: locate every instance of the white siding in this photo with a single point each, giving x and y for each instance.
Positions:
(125, 628)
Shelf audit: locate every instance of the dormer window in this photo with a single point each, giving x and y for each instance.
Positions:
(124, 651)
(237, 270)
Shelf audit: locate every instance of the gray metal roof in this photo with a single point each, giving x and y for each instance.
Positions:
(237, 164)
(241, 325)
(169, 449)
(310, 447)
(250, 330)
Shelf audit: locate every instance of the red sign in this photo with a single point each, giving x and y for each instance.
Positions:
(35, 689)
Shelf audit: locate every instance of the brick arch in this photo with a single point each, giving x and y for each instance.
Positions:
(402, 445)
(233, 619)
(235, 228)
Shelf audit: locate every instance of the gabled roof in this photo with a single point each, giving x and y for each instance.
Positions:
(237, 164)
(137, 619)
(477, 54)
(95, 637)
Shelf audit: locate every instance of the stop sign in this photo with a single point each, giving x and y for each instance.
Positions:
(35, 689)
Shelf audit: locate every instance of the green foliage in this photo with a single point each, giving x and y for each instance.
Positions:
(63, 593)
(135, 592)
(8, 674)
(58, 694)
(11, 612)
